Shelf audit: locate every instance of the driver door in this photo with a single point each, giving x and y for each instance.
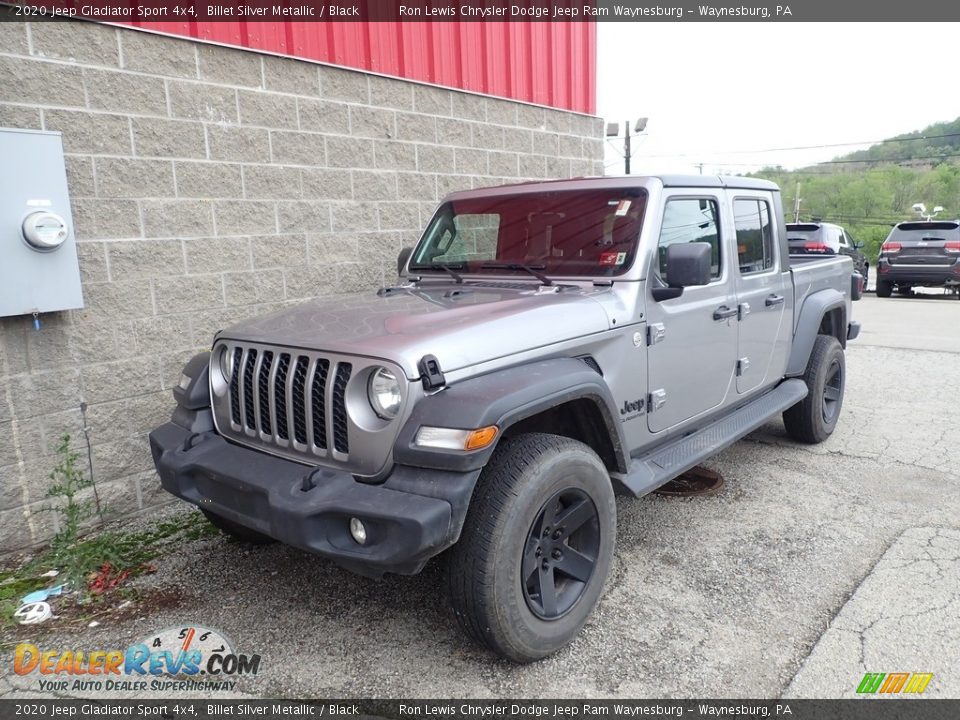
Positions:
(692, 340)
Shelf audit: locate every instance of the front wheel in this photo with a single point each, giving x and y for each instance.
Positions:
(813, 419)
(536, 546)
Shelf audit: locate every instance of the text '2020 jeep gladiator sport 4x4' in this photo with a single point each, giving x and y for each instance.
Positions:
(550, 344)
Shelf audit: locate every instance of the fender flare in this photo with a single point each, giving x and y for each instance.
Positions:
(196, 394)
(815, 306)
(503, 398)
(193, 399)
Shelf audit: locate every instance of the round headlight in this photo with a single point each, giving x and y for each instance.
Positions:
(226, 363)
(383, 391)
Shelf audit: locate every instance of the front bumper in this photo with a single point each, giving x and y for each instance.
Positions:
(412, 516)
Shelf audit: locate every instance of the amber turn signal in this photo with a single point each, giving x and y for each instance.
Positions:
(481, 438)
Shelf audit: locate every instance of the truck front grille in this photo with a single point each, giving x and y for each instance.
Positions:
(283, 399)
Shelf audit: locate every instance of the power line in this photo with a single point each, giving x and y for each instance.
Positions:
(872, 161)
(889, 160)
(812, 147)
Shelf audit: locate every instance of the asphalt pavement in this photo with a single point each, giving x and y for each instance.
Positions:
(744, 594)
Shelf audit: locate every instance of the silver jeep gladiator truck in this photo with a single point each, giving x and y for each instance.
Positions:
(547, 346)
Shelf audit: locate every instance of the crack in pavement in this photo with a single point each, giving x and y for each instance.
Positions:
(891, 637)
(843, 453)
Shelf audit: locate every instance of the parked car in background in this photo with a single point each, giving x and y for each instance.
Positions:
(820, 238)
(924, 253)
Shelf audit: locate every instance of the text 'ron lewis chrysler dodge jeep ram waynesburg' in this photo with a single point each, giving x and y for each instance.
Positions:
(551, 344)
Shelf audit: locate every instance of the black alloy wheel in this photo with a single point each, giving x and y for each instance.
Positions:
(560, 554)
(832, 391)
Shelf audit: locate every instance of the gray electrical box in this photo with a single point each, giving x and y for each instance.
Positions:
(38, 251)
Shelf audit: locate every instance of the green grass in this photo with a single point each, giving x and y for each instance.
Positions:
(124, 551)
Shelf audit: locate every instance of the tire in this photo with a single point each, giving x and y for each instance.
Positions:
(510, 546)
(236, 530)
(884, 289)
(813, 419)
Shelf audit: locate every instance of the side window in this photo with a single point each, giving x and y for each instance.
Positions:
(843, 238)
(755, 246)
(836, 240)
(690, 220)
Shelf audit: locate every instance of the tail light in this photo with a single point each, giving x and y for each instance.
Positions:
(816, 247)
(890, 247)
(857, 285)
(951, 247)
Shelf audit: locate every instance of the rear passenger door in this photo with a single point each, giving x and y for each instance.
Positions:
(761, 285)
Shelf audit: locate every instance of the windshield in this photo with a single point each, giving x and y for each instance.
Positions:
(564, 233)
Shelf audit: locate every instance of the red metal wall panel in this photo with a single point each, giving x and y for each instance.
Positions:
(546, 63)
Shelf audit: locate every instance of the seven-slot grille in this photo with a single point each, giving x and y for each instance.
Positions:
(290, 400)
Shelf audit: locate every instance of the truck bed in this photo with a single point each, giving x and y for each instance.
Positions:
(811, 273)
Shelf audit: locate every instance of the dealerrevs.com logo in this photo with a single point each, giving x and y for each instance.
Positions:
(178, 658)
(894, 683)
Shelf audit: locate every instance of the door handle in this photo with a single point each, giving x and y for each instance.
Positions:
(723, 312)
(773, 300)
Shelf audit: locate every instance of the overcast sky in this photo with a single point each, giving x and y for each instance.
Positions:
(711, 90)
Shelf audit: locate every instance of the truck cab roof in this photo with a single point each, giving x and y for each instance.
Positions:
(626, 181)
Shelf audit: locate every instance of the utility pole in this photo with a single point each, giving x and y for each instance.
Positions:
(626, 147)
(796, 206)
(700, 167)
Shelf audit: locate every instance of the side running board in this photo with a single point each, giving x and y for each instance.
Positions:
(659, 466)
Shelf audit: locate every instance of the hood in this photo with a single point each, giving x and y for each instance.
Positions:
(461, 325)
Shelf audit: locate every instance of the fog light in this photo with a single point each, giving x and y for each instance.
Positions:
(358, 531)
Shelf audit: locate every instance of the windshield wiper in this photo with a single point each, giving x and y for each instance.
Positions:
(453, 273)
(532, 269)
(437, 266)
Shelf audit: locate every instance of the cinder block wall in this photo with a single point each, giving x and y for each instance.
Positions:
(208, 185)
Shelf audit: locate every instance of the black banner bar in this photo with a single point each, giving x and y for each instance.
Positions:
(482, 10)
(576, 709)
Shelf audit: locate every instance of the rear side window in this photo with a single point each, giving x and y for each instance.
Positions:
(689, 220)
(754, 226)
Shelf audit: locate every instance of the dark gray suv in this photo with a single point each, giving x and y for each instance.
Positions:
(920, 253)
(821, 238)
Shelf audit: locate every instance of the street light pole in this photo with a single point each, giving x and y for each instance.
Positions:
(613, 130)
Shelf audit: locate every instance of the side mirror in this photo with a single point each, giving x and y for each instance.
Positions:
(402, 259)
(857, 245)
(688, 264)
